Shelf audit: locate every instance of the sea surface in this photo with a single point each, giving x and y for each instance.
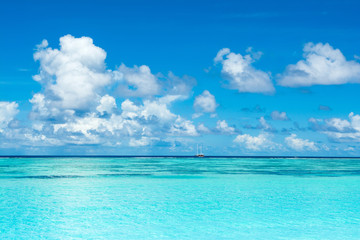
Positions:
(179, 198)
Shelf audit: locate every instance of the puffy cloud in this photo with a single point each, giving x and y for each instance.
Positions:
(242, 76)
(266, 126)
(74, 80)
(183, 127)
(204, 103)
(72, 77)
(223, 128)
(322, 65)
(202, 128)
(276, 115)
(107, 104)
(140, 123)
(137, 81)
(255, 143)
(43, 44)
(8, 111)
(337, 129)
(156, 109)
(180, 86)
(299, 144)
(75, 105)
(141, 142)
(140, 82)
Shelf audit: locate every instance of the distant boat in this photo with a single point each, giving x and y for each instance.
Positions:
(199, 154)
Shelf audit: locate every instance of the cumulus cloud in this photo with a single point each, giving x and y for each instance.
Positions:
(299, 144)
(73, 76)
(264, 124)
(107, 104)
(322, 65)
(179, 86)
(204, 103)
(202, 128)
(281, 116)
(223, 127)
(183, 127)
(255, 143)
(241, 75)
(74, 79)
(77, 105)
(137, 81)
(152, 118)
(337, 129)
(8, 111)
(141, 142)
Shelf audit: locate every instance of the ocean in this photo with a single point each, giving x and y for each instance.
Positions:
(179, 198)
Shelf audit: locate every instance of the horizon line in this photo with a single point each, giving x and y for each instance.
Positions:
(168, 156)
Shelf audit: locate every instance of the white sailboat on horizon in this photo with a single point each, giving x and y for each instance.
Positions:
(199, 154)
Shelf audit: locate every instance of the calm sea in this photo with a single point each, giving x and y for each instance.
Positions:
(179, 198)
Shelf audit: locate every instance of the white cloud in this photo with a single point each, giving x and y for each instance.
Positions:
(322, 65)
(8, 111)
(255, 143)
(240, 73)
(181, 86)
(73, 76)
(183, 127)
(129, 109)
(137, 81)
(205, 103)
(43, 44)
(337, 129)
(156, 109)
(107, 104)
(276, 115)
(202, 128)
(223, 128)
(339, 124)
(141, 142)
(264, 124)
(76, 105)
(349, 149)
(136, 121)
(299, 144)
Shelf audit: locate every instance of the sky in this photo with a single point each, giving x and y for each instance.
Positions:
(279, 78)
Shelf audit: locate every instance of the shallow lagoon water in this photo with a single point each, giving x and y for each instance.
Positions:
(179, 198)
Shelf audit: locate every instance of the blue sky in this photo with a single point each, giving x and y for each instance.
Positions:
(158, 77)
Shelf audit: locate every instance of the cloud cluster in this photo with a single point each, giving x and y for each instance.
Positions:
(299, 144)
(322, 65)
(8, 111)
(204, 103)
(141, 123)
(240, 73)
(223, 128)
(137, 81)
(72, 77)
(337, 129)
(79, 100)
(255, 143)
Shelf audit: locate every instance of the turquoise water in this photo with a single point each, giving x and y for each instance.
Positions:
(179, 198)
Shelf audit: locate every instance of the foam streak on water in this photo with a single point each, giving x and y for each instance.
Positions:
(179, 198)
